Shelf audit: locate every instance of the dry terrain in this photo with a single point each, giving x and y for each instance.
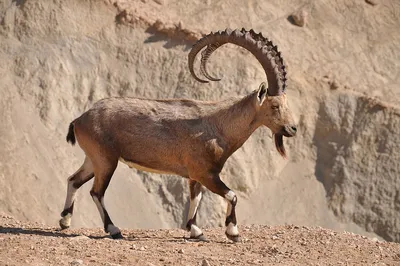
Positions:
(35, 244)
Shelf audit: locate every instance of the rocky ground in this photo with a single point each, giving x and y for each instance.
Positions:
(35, 244)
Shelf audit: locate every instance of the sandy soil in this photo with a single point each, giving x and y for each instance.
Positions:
(35, 244)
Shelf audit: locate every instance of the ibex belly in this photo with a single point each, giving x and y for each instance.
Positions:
(144, 168)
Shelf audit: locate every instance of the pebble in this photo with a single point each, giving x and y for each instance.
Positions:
(142, 248)
(181, 251)
(334, 85)
(274, 237)
(76, 262)
(300, 17)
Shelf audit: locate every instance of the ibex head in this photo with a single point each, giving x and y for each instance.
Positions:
(272, 107)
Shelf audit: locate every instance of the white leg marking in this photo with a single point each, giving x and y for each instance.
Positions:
(112, 229)
(194, 203)
(66, 220)
(230, 195)
(71, 194)
(195, 231)
(99, 207)
(232, 230)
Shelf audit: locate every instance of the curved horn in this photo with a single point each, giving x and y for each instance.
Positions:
(266, 53)
(204, 57)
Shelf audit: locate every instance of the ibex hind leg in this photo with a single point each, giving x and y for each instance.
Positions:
(75, 181)
(103, 173)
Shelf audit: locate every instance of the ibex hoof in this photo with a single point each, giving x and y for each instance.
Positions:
(63, 225)
(117, 236)
(234, 238)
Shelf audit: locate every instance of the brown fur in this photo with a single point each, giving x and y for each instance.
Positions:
(183, 137)
(189, 138)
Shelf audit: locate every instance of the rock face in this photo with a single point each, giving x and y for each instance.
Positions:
(59, 57)
(358, 161)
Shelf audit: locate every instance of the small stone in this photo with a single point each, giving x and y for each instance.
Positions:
(274, 249)
(205, 263)
(299, 18)
(274, 237)
(334, 85)
(142, 248)
(76, 262)
(181, 251)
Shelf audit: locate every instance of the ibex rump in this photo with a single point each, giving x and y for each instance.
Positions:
(189, 138)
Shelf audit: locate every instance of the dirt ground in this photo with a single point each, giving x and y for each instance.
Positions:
(35, 244)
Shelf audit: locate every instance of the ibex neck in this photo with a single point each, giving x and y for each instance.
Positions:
(237, 121)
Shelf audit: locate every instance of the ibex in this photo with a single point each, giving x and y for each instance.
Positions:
(189, 138)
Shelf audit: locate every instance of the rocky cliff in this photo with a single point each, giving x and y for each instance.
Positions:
(59, 57)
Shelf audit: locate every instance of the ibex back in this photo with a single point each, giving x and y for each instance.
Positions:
(189, 138)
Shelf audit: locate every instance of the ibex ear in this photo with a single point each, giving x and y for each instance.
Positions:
(262, 93)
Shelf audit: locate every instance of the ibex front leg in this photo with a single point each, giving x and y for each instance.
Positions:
(195, 198)
(215, 184)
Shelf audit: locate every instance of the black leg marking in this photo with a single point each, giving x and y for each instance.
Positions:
(191, 221)
(231, 218)
(115, 232)
(80, 182)
(67, 211)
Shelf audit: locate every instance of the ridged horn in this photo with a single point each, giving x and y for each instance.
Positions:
(263, 49)
(204, 58)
